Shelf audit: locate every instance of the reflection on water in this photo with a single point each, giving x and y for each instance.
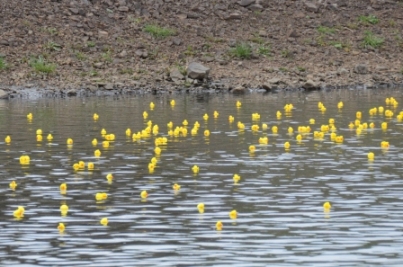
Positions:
(279, 196)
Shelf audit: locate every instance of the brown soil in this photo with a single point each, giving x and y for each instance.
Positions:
(102, 44)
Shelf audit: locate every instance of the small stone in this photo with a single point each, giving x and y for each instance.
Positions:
(197, 71)
(233, 15)
(309, 84)
(98, 65)
(361, 69)
(274, 81)
(123, 9)
(311, 7)
(246, 3)
(71, 92)
(238, 90)
(103, 34)
(123, 54)
(109, 86)
(177, 41)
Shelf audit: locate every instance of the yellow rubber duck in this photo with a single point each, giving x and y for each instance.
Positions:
(109, 177)
(255, 127)
(380, 109)
(128, 132)
(76, 166)
(236, 178)
(263, 140)
(64, 209)
(105, 144)
(7, 139)
(340, 105)
(298, 137)
(185, 122)
(206, 133)
(372, 125)
(274, 129)
(144, 194)
(152, 105)
(24, 160)
(69, 141)
(39, 138)
(145, 115)
(97, 153)
(170, 125)
(104, 221)
(238, 104)
(19, 212)
(264, 126)
(219, 226)
(176, 187)
(61, 227)
(371, 156)
(331, 121)
(196, 124)
(195, 169)
(287, 145)
(255, 116)
(290, 130)
(13, 185)
(278, 114)
(252, 148)
(49, 137)
(94, 142)
(95, 117)
(81, 164)
(63, 187)
(205, 117)
(157, 151)
(154, 160)
(385, 144)
(327, 206)
(39, 132)
(233, 214)
(384, 125)
(90, 166)
(101, 196)
(231, 119)
(311, 121)
(151, 167)
(339, 139)
(173, 103)
(30, 116)
(215, 114)
(200, 207)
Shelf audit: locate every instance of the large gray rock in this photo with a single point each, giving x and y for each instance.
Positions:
(3, 94)
(197, 71)
(361, 69)
(311, 7)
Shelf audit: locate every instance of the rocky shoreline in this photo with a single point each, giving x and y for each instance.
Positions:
(106, 47)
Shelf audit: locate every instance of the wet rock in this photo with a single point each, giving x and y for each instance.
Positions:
(246, 3)
(196, 70)
(239, 90)
(311, 7)
(109, 86)
(310, 85)
(3, 94)
(71, 92)
(361, 69)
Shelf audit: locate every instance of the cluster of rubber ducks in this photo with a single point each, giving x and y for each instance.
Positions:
(303, 131)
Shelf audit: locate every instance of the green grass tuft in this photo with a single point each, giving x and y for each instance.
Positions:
(242, 51)
(370, 40)
(3, 64)
(325, 30)
(370, 19)
(39, 65)
(158, 32)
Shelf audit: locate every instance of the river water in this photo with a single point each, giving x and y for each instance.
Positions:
(279, 198)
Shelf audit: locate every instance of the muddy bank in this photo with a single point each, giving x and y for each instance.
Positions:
(103, 47)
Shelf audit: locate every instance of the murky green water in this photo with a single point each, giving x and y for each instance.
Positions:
(281, 221)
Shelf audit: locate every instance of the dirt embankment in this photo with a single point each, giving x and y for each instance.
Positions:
(94, 45)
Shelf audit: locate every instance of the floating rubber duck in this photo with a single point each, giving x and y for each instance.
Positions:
(196, 124)
(170, 125)
(372, 125)
(324, 128)
(63, 187)
(384, 125)
(145, 114)
(320, 105)
(195, 169)
(385, 144)
(255, 116)
(287, 145)
(340, 105)
(19, 212)
(128, 132)
(69, 141)
(231, 119)
(278, 114)
(151, 167)
(233, 214)
(157, 151)
(176, 187)
(103, 131)
(105, 144)
(252, 148)
(388, 113)
(206, 133)
(152, 105)
(39, 138)
(7, 139)
(64, 209)
(90, 166)
(290, 130)
(331, 121)
(144, 194)
(194, 131)
(298, 137)
(39, 132)
(97, 153)
(255, 127)
(61, 227)
(49, 137)
(339, 139)
(264, 126)
(263, 140)
(81, 164)
(24, 160)
(101, 196)
(215, 114)
(371, 156)
(274, 129)
(351, 125)
(104, 221)
(76, 166)
(238, 104)
(30, 116)
(327, 206)
(109, 177)
(94, 142)
(219, 226)
(205, 117)
(13, 185)
(236, 178)
(95, 117)
(200, 207)
(173, 103)
(240, 125)
(380, 110)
